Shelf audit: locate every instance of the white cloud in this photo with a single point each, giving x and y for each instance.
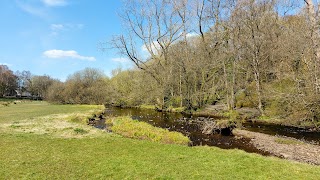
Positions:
(144, 49)
(154, 48)
(188, 35)
(67, 26)
(54, 2)
(6, 64)
(56, 27)
(56, 54)
(39, 8)
(192, 34)
(37, 11)
(120, 59)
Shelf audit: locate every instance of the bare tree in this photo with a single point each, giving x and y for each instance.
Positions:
(154, 26)
(39, 85)
(8, 81)
(24, 80)
(313, 15)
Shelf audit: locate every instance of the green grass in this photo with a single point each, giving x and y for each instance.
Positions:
(176, 109)
(169, 109)
(80, 131)
(145, 106)
(100, 155)
(34, 109)
(29, 156)
(288, 141)
(128, 127)
(7, 100)
(36, 117)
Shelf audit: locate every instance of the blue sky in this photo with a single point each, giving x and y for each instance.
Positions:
(59, 37)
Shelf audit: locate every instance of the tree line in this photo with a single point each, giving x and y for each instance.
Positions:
(88, 86)
(263, 54)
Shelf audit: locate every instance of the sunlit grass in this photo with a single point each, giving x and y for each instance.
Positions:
(145, 106)
(287, 141)
(56, 125)
(176, 109)
(169, 109)
(29, 156)
(46, 151)
(33, 109)
(39, 117)
(127, 127)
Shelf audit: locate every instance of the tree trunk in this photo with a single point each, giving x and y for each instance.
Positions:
(258, 84)
(180, 88)
(226, 85)
(232, 99)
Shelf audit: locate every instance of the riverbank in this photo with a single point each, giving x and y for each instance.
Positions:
(267, 141)
(244, 114)
(127, 127)
(151, 107)
(95, 154)
(244, 117)
(284, 147)
(252, 115)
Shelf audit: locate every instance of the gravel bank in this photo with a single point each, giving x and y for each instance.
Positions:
(284, 147)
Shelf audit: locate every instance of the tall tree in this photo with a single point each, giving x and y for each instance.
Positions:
(313, 16)
(8, 81)
(39, 85)
(257, 21)
(155, 25)
(24, 80)
(88, 86)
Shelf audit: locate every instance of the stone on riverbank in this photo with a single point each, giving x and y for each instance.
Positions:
(284, 147)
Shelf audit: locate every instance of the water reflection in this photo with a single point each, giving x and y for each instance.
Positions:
(187, 126)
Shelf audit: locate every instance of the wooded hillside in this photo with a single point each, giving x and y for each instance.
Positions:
(263, 54)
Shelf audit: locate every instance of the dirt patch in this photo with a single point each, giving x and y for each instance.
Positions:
(284, 147)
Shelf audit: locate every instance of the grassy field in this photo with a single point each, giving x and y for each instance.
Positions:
(30, 149)
(33, 109)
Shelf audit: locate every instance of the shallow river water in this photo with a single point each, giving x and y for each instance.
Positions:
(186, 125)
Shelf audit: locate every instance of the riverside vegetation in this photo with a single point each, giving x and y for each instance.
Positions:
(41, 140)
(127, 127)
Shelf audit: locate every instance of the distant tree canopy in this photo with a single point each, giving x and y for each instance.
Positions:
(8, 81)
(88, 86)
(24, 80)
(39, 85)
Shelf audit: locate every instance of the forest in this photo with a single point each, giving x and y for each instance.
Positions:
(261, 54)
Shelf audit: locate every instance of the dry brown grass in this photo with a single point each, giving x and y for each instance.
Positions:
(56, 125)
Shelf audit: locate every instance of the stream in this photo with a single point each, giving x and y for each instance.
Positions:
(280, 130)
(189, 126)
